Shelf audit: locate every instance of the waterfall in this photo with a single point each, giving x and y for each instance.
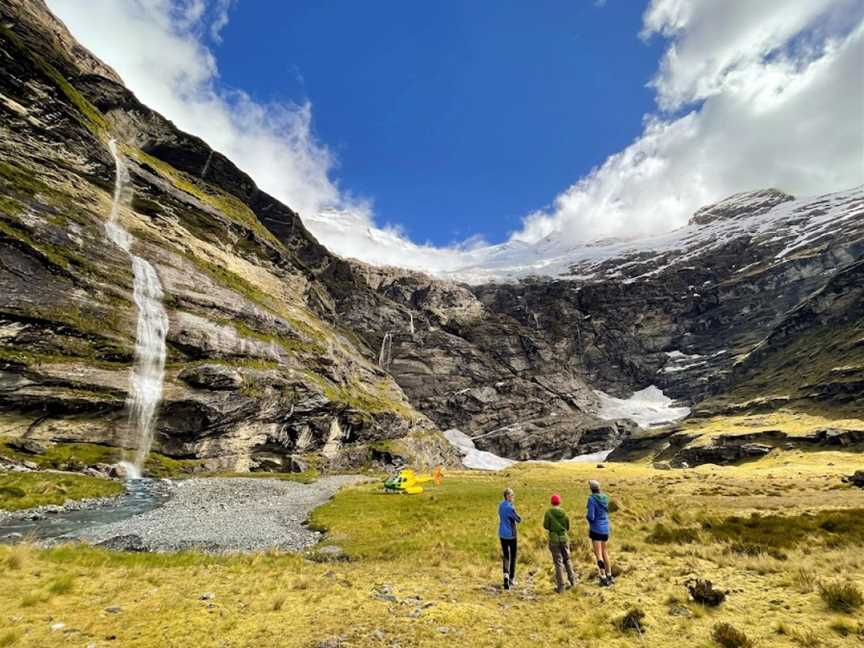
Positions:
(206, 165)
(536, 321)
(411, 322)
(148, 368)
(386, 353)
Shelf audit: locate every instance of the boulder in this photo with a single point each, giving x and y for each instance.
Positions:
(30, 446)
(212, 376)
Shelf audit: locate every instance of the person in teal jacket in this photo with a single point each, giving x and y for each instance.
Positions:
(598, 530)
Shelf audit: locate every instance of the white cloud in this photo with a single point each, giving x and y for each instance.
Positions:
(779, 100)
(220, 19)
(749, 94)
(157, 47)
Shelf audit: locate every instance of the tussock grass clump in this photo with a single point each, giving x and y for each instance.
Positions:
(803, 636)
(9, 638)
(804, 580)
(661, 534)
(841, 597)
(755, 550)
(62, 584)
(34, 598)
(846, 629)
(11, 492)
(14, 562)
(728, 636)
(631, 621)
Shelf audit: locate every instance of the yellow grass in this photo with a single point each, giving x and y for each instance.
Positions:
(790, 422)
(437, 553)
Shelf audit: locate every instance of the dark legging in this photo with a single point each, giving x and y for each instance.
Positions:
(508, 556)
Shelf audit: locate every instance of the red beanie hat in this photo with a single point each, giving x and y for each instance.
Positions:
(556, 499)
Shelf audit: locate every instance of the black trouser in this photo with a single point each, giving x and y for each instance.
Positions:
(508, 556)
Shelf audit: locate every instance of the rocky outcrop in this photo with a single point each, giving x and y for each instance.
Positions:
(487, 373)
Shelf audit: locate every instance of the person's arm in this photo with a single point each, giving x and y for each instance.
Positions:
(590, 515)
(546, 521)
(516, 517)
(566, 522)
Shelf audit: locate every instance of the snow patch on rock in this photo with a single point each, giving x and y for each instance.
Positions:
(594, 457)
(647, 408)
(471, 456)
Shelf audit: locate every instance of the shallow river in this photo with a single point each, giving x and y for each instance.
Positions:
(141, 495)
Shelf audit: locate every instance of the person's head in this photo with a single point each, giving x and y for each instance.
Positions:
(508, 494)
(594, 485)
(555, 499)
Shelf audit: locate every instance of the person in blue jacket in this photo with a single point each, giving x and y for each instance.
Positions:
(508, 518)
(598, 530)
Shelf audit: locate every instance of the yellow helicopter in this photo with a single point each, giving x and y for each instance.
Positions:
(408, 482)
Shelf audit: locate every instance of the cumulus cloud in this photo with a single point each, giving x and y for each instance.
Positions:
(749, 95)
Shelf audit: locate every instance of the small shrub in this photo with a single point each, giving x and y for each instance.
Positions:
(614, 507)
(13, 562)
(9, 638)
(631, 621)
(628, 548)
(728, 636)
(661, 534)
(841, 597)
(11, 491)
(278, 602)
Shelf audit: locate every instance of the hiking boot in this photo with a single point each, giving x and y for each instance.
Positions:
(506, 582)
(604, 582)
(610, 580)
(513, 582)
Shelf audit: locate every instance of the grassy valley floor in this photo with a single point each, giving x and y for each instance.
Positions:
(783, 536)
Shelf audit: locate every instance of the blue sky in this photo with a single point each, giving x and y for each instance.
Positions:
(456, 118)
(545, 125)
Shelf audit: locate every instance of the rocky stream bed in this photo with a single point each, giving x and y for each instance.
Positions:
(216, 515)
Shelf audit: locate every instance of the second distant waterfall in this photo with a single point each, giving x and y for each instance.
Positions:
(148, 369)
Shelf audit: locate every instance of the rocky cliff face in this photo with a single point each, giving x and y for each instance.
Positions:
(280, 352)
(258, 371)
(517, 364)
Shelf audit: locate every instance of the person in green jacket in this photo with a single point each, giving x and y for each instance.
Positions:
(557, 524)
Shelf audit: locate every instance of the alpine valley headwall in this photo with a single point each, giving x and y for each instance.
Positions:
(274, 343)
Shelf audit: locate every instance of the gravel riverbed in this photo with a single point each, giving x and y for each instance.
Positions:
(224, 515)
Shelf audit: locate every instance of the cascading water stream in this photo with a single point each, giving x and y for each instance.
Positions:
(386, 354)
(148, 368)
